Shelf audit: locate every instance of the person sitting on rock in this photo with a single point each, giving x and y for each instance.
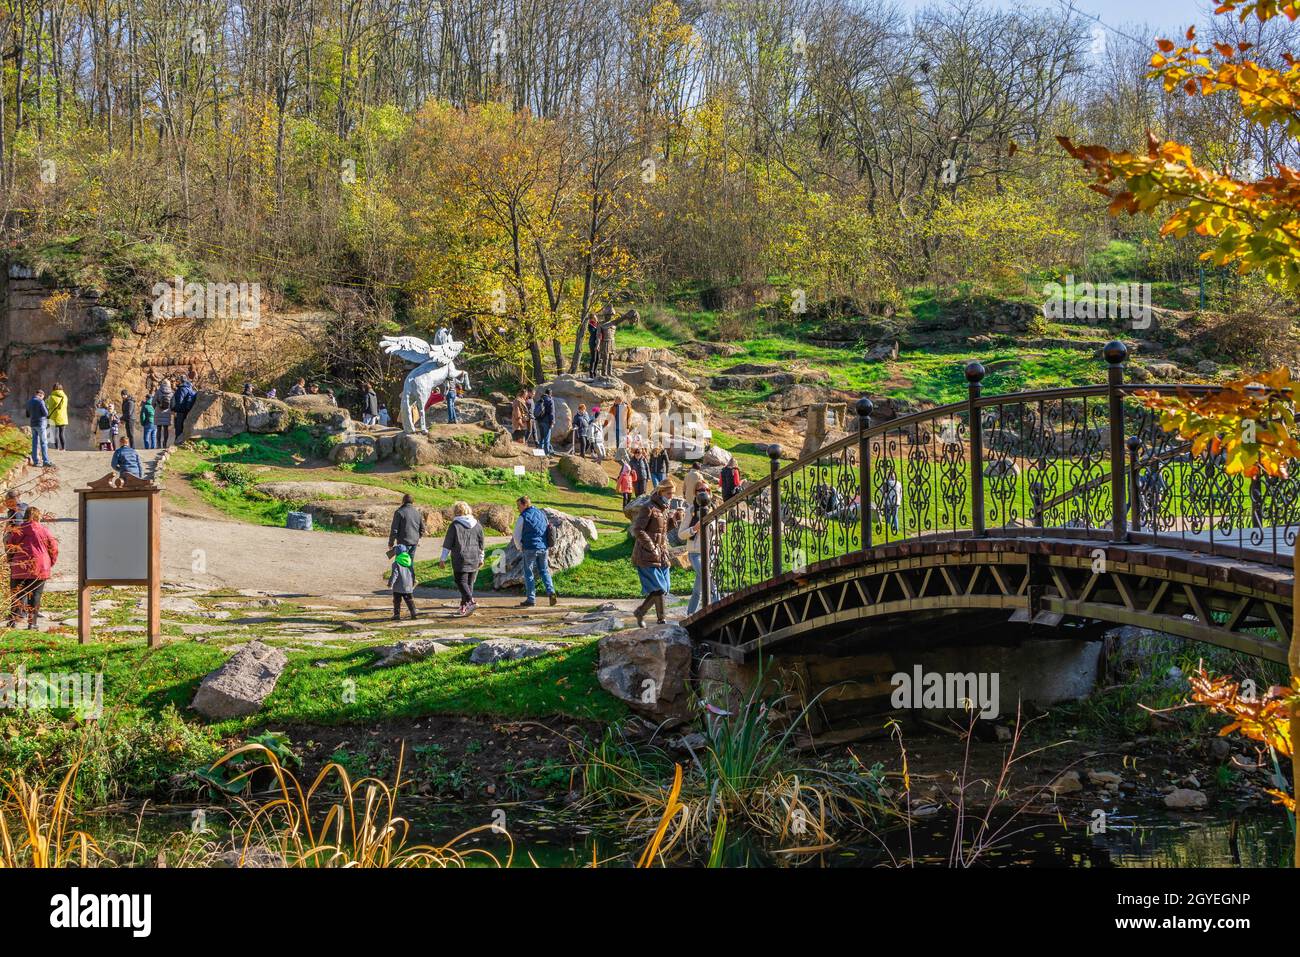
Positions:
(126, 460)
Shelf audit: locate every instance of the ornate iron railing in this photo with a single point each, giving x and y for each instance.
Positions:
(1091, 461)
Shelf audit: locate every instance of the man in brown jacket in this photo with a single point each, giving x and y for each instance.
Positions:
(520, 410)
(650, 552)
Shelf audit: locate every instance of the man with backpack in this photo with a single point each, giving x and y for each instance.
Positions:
(182, 402)
(544, 413)
(533, 537)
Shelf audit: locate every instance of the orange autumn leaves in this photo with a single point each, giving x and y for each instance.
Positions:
(1250, 421)
(1265, 718)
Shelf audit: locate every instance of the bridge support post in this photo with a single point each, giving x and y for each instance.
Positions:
(704, 502)
(774, 491)
(864, 409)
(1115, 353)
(974, 376)
(1134, 488)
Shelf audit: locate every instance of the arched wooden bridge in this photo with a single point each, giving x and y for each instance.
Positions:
(1063, 508)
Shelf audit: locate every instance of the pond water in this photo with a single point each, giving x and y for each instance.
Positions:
(545, 836)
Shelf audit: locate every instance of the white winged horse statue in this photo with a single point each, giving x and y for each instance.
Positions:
(433, 368)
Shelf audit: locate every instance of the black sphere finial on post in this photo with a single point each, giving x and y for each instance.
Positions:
(1115, 352)
(864, 407)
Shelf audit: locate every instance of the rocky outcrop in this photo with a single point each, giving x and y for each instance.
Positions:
(649, 669)
(572, 535)
(240, 686)
(466, 445)
(223, 415)
(368, 516)
(314, 491)
(664, 406)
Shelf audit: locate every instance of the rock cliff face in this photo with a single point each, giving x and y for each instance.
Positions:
(50, 334)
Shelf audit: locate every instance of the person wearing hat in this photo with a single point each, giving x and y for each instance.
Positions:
(650, 552)
(401, 579)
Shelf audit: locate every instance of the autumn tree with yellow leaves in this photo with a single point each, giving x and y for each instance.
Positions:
(1254, 226)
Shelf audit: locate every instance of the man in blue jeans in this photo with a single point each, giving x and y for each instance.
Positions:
(39, 415)
(530, 538)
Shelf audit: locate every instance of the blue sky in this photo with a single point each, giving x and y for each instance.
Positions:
(1164, 15)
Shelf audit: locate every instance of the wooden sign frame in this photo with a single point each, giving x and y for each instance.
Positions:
(127, 487)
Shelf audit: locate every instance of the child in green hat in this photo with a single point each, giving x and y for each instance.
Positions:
(401, 579)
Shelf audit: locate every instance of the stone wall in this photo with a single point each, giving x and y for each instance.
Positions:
(76, 344)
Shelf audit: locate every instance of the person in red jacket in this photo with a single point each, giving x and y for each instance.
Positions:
(32, 552)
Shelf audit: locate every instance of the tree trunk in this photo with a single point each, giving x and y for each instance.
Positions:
(1293, 659)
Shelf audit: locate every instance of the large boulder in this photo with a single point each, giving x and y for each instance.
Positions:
(466, 445)
(216, 415)
(570, 391)
(267, 415)
(407, 651)
(240, 686)
(648, 669)
(582, 471)
(572, 534)
(469, 411)
(223, 415)
(492, 650)
(355, 449)
(499, 518)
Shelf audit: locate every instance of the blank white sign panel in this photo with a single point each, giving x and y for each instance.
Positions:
(117, 539)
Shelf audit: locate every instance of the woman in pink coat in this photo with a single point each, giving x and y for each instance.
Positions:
(32, 553)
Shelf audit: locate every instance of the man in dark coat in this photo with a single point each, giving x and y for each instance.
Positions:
(408, 526)
(128, 416)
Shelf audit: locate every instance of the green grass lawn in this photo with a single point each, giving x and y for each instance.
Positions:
(328, 686)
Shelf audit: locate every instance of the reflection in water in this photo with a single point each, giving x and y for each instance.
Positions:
(547, 837)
